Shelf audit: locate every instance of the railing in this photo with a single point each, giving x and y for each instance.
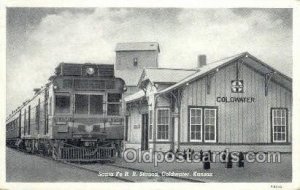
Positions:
(83, 154)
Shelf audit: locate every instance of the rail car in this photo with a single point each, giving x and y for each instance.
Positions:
(77, 116)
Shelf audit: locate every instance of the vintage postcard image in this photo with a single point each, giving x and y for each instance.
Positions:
(181, 95)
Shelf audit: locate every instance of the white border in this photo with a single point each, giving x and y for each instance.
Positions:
(156, 3)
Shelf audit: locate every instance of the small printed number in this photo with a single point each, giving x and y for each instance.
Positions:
(276, 186)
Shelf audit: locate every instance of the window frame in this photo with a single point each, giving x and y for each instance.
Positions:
(203, 108)
(54, 105)
(103, 104)
(104, 107)
(25, 122)
(190, 125)
(114, 103)
(38, 115)
(273, 126)
(215, 126)
(29, 120)
(157, 124)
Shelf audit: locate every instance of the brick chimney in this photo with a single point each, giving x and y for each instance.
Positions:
(201, 61)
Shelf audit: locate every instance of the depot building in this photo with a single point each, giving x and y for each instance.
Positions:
(239, 103)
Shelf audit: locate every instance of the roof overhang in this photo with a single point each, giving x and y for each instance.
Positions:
(138, 96)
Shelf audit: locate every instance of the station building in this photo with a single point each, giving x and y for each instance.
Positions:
(238, 102)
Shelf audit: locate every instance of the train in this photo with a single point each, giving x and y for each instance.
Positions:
(77, 116)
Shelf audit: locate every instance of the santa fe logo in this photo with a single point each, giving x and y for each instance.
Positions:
(237, 86)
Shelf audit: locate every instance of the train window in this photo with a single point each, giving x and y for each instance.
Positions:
(29, 113)
(25, 121)
(81, 104)
(114, 98)
(88, 104)
(62, 104)
(96, 104)
(114, 104)
(37, 115)
(46, 116)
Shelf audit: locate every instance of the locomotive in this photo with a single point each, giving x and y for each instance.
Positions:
(77, 116)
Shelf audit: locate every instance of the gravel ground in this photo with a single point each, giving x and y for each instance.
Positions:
(21, 167)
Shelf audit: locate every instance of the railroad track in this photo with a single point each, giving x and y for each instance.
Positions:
(123, 179)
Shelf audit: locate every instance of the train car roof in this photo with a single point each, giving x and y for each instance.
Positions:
(86, 69)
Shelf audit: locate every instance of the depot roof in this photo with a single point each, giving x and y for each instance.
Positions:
(246, 58)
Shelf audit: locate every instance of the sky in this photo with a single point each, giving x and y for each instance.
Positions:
(38, 39)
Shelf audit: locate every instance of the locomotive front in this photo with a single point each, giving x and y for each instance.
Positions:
(87, 105)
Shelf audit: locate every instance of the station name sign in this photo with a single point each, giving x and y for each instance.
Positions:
(225, 99)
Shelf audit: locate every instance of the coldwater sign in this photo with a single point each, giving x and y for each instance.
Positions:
(236, 99)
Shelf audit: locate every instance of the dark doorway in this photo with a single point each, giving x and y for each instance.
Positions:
(144, 142)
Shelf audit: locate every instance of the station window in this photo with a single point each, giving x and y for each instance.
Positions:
(196, 124)
(202, 120)
(163, 123)
(88, 104)
(210, 125)
(114, 104)
(62, 104)
(279, 124)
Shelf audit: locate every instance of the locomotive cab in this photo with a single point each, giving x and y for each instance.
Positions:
(87, 108)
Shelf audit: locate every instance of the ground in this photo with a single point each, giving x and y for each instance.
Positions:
(21, 167)
(252, 172)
